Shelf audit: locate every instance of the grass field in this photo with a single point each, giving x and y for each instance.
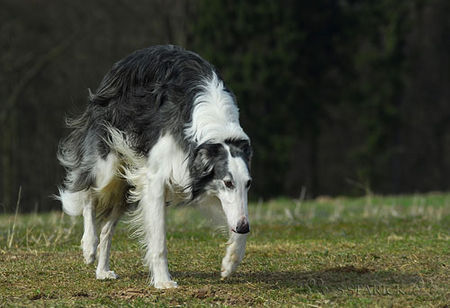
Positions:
(372, 251)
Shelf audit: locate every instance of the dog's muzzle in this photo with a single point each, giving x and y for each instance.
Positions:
(242, 226)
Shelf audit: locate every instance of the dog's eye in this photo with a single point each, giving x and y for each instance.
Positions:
(249, 182)
(229, 184)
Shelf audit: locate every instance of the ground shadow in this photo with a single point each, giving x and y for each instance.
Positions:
(329, 279)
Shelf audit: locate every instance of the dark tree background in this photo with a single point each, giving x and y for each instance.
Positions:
(339, 97)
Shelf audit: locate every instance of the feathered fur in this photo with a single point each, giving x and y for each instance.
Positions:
(162, 127)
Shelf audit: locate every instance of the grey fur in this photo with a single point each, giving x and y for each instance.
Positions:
(145, 102)
(144, 95)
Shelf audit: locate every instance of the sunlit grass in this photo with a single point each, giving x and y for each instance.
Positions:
(349, 251)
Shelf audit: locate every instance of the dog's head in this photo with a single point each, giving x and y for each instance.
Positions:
(222, 170)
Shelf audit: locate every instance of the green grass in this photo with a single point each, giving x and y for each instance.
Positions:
(373, 251)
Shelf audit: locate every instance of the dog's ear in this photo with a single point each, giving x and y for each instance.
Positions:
(205, 158)
(241, 147)
(245, 147)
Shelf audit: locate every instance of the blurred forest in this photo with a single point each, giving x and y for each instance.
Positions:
(339, 97)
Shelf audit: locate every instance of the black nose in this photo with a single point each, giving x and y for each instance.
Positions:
(242, 226)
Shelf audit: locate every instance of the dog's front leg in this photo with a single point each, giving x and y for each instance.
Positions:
(234, 255)
(154, 220)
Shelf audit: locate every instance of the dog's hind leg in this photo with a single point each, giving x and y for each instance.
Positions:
(234, 255)
(89, 240)
(104, 247)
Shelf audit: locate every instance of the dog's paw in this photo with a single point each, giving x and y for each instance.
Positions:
(229, 265)
(166, 284)
(225, 272)
(89, 250)
(89, 258)
(106, 275)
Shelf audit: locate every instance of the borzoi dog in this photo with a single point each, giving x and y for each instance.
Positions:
(161, 128)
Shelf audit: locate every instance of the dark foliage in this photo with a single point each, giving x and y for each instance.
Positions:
(338, 97)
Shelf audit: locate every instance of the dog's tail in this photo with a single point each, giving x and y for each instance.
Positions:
(73, 202)
(77, 153)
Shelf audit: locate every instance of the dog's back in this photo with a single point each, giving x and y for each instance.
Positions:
(148, 93)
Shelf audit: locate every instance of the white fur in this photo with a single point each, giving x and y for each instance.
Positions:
(234, 202)
(166, 168)
(106, 170)
(234, 254)
(109, 194)
(73, 202)
(161, 176)
(104, 247)
(215, 116)
(89, 240)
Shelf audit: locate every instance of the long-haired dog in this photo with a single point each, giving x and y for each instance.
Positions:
(161, 128)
